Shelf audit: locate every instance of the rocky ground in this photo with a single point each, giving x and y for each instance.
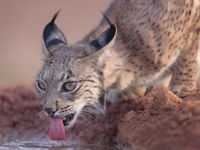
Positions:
(159, 120)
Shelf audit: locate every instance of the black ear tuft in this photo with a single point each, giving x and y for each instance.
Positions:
(52, 35)
(106, 37)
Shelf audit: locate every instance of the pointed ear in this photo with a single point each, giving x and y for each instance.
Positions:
(107, 38)
(52, 35)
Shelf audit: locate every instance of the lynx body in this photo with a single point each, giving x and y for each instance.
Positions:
(146, 41)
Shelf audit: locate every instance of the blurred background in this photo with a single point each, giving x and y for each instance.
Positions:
(21, 26)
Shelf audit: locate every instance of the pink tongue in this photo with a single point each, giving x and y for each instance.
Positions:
(56, 129)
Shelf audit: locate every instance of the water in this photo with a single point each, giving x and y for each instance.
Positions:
(30, 141)
(33, 140)
(28, 145)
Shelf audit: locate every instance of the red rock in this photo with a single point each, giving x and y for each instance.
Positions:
(159, 120)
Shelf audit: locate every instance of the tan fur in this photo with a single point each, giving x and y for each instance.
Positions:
(154, 39)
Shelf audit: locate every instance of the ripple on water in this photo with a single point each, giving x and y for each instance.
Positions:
(34, 140)
(53, 145)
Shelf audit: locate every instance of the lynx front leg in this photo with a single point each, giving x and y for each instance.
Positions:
(185, 71)
(127, 94)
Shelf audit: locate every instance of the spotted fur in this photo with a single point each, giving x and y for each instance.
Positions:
(147, 40)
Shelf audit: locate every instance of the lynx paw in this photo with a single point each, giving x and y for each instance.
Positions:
(128, 94)
(184, 90)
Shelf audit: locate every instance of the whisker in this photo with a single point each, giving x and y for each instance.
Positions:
(64, 111)
(94, 113)
(43, 115)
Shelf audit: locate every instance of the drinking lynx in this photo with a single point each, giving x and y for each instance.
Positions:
(137, 44)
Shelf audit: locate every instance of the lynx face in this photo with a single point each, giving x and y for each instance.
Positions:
(71, 79)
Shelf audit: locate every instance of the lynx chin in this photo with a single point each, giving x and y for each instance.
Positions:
(136, 45)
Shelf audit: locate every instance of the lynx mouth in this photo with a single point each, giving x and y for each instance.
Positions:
(67, 119)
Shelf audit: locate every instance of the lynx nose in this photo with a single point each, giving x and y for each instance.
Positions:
(49, 111)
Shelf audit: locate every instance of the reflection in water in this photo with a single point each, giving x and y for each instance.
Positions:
(35, 140)
(51, 145)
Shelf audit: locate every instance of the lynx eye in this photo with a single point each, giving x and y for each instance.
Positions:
(41, 85)
(68, 87)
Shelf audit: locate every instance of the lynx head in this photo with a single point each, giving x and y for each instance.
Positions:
(71, 79)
